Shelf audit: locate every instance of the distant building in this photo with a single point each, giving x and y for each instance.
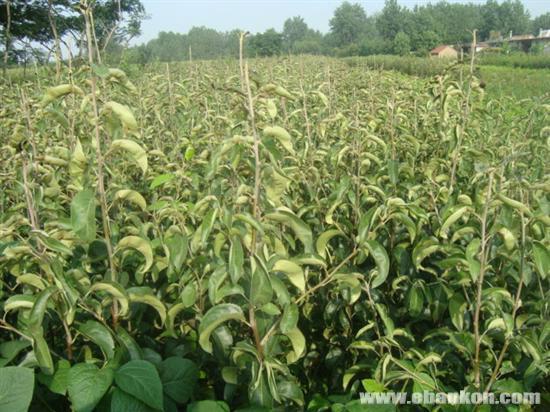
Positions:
(521, 37)
(481, 46)
(444, 51)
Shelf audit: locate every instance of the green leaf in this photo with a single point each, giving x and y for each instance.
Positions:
(145, 295)
(18, 302)
(131, 196)
(382, 262)
(123, 402)
(38, 310)
(53, 244)
(214, 318)
(189, 295)
(261, 291)
(236, 259)
(393, 170)
(141, 245)
(300, 228)
(298, 342)
(508, 238)
(128, 343)
(87, 385)
(456, 213)
(126, 117)
(322, 241)
(83, 215)
(116, 291)
(423, 382)
(388, 322)
(10, 349)
(289, 320)
(56, 92)
(282, 136)
(161, 180)
(42, 353)
(415, 300)
(457, 309)
(140, 379)
(541, 258)
(16, 388)
(423, 249)
(515, 204)
(293, 271)
(179, 377)
(100, 335)
(271, 108)
(208, 406)
(189, 153)
(59, 382)
(137, 153)
(408, 223)
(471, 256)
(291, 390)
(371, 385)
(249, 220)
(177, 245)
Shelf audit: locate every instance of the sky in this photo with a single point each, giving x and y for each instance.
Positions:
(260, 15)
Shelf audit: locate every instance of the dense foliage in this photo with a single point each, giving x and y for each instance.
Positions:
(181, 238)
(24, 23)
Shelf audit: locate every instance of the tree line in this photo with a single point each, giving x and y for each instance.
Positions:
(394, 30)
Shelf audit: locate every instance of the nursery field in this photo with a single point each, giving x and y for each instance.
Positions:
(279, 235)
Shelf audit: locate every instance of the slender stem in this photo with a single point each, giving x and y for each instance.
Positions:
(58, 56)
(7, 36)
(465, 116)
(68, 340)
(28, 197)
(328, 278)
(100, 165)
(482, 267)
(241, 58)
(256, 201)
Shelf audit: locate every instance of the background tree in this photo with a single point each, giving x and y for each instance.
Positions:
(541, 22)
(268, 43)
(295, 29)
(32, 21)
(401, 44)
(392, 20)
(348, 23)
(117, 20)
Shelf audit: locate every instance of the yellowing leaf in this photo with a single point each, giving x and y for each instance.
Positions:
(131, 196)
(214, 318)
(142, 246)
(137, 152)
(282, 136)
(293, 271)
(123, 113)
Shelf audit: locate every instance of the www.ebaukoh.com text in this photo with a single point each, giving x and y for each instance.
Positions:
(452, 398)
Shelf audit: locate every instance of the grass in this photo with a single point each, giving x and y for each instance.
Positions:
(501, 80)
(517, 60)
(515, 82)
